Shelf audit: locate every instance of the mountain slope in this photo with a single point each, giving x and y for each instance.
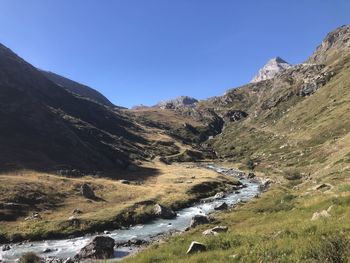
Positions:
(45, 127)
(77, 88)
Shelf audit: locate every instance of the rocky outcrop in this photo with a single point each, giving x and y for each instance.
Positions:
(234, 115)
(335, 43)
(271, 68)
(196, 247)
(101, 247)
(87, 191)
(164, 212)
(179, 102)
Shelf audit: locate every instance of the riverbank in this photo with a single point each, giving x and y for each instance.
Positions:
(56, 198)
(147, 232)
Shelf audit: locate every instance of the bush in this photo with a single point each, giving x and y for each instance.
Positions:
(250, 164)
(29, 257)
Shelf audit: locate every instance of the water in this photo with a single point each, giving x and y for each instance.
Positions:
(69, 247)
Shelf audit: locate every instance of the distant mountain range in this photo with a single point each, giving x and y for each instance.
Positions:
(50, 122)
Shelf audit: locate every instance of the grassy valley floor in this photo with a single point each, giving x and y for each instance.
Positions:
(117, 204)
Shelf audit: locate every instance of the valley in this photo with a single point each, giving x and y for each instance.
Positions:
(73, 165)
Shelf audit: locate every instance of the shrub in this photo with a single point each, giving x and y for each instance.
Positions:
(250, 164)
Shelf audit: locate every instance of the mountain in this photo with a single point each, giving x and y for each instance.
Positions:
(271, 68)
(178, 102)
(45, 127)
(77, 88)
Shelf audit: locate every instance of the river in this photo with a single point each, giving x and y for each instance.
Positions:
(65, 248)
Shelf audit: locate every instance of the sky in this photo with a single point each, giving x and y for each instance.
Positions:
(143, 51)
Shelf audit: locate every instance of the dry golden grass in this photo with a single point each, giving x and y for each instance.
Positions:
(115, 196)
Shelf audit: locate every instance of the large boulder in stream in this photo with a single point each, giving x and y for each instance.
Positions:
(164, 212)
(199, 220)
(101, 247)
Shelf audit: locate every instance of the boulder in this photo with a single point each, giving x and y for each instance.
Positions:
(219, 195)
(215, 231)
(323, 187)
(77, 211)
(196, 247)
(199, 220)
(321, 214)
(123, 181)
(220, 229)
(101, 247)
(87, 191)
(251, 175)
(5, 247)
(223, 206)
(163, 212)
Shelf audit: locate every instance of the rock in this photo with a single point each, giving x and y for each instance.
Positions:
(34, 216)
(123, 181)
(73, 217)
(101, 247)
(189, 182)
(321, 214)
(68, 260)
(199, 220)
(209, 232)
(215, 231)
(163, 212)
(196, 247)
(51, 260)
(106, 232)
(77, 211)
(87, 191)
(6, 247)
(330, 208)
(220, 229)
(47, 250)
(219, 195)
(251, 175)
(323, 187)
(223, 206)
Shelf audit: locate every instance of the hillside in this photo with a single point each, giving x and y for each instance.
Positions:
(77, 88)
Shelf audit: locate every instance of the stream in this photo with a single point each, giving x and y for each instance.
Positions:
(65, 248)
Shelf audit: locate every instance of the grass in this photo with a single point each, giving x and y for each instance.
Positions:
(56, 197)
(274, 228)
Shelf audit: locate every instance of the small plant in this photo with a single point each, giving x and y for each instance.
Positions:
(29, 257)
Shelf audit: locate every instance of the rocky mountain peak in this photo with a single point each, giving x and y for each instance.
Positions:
(271, 68)
(335, 43)
(178, 102)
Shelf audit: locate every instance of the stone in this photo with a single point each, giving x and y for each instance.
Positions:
(199, 220)
(251, 175)
(68, 260)
(219, 195)
(6, 247)
(106, 232)
(34, 216)
(196, 247)
(321, 214)
(164, 212)
(101, 247)
(220, 229)
(215, 231)
(123, 181)
(87, 191)
(323, 187)
(223, 206)
(77, 211)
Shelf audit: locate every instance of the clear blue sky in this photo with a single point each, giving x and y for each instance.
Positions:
(143, 51)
